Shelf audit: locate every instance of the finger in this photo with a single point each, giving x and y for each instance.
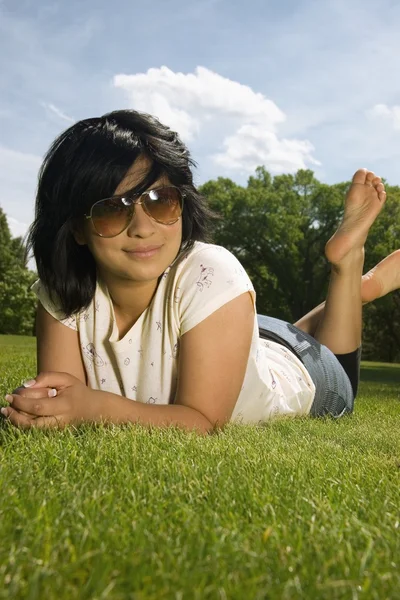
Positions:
(33, 392)
(3, 411)
(52, 422)
(39, 407)
(52, 379)
(23, 421)
(20, 420)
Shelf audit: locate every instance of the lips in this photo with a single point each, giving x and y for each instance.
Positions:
(144, 253)
(143, 249)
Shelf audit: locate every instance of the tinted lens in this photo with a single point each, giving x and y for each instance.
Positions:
(111, 216)
(164, 204)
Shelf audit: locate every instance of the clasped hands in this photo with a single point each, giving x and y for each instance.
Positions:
(52, 399)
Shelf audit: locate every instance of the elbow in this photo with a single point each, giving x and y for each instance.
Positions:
(204, 427)
(201, 424)
(210, 428)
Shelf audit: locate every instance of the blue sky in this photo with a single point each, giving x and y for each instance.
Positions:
(305, 84)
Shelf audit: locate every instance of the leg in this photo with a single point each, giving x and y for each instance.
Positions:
(310, 321)
(338, 331)
(379, 281)
(340, 325)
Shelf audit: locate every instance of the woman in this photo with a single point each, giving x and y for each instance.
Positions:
(142, 319)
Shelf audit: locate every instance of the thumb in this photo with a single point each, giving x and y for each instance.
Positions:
(52, 379)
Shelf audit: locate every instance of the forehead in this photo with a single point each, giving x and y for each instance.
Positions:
(136, 174)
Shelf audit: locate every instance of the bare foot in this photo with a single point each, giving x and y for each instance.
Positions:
(382, 279)
(363, 203)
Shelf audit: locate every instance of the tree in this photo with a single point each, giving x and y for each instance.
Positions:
(19, 252)
(6, 254)
(382, 318)
(278, 227)
(17, 302)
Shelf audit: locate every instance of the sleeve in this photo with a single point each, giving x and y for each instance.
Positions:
(43, 297)
(210, 278)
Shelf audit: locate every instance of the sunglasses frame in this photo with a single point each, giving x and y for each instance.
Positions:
(132, 207)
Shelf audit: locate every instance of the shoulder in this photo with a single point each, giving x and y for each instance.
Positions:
(52, 304)
(209, 260)
(208, 277)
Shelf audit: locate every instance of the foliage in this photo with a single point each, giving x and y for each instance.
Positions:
(7, 258)
(17, 302)
(278, 227)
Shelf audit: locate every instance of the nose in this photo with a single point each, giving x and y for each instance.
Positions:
(141, 224)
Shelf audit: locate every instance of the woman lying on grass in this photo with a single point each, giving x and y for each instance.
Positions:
(140, 319)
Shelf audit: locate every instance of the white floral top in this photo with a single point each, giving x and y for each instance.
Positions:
(143, 364)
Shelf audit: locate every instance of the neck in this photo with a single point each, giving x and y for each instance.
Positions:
(129, 298)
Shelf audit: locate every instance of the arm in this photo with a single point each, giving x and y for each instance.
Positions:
(117, 409)
(57, 349)
(212, 364)
(57, 346)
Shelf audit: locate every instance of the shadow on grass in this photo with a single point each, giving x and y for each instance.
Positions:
(380, 373)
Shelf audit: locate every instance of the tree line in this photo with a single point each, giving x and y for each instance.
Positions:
(277, 227)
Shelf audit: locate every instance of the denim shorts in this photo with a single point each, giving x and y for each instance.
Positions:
(334, 394)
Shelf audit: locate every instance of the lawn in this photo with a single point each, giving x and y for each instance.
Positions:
(294, 509)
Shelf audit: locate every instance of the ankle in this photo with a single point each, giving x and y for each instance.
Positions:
(351, 264)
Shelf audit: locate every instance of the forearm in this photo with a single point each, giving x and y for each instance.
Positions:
(118, 409)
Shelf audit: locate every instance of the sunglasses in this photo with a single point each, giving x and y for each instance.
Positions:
(111, 216)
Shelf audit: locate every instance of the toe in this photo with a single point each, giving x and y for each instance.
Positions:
(382, 196)
(360, 176)
(370, 177)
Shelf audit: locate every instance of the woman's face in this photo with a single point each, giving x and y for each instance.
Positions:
(114, 257)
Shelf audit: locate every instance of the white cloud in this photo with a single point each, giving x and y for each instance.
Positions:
(59, 113)
(382, 111)
(247, 121)
(251, 146)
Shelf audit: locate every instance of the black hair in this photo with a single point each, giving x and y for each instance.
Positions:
(86, 163)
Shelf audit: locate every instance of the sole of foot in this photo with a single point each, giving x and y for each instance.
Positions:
(364, 201)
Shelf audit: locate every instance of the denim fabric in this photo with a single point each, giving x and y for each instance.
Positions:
(334, 394)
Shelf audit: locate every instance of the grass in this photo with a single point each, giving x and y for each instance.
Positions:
(294, 509)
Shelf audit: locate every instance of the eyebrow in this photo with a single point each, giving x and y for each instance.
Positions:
(153, 186)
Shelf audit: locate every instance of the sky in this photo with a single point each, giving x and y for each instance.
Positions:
(305, 84)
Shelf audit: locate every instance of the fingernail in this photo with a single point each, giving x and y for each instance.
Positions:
(51, 393)
(29, 383)
(9, 398)
(4, 411)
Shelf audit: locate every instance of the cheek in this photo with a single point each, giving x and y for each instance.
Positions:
(102, 252)
(173, 233)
